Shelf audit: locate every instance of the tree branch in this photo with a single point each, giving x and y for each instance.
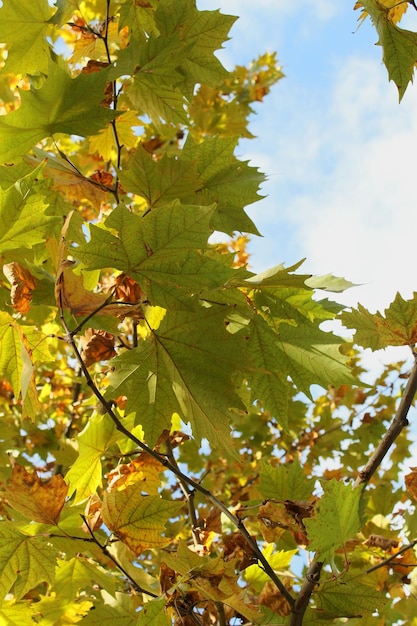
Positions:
(311, 580)
(171, 467)
(105, 551)
(399, 422)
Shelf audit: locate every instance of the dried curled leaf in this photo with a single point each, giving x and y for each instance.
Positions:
(98, 346)
(23, 283)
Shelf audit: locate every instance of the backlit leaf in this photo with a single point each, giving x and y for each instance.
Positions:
(25, 561)
(139, 521)
(62, 105)
(24, 28)
(337, 519)
(40, 501)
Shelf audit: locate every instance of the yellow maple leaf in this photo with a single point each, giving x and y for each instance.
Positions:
(40, 501)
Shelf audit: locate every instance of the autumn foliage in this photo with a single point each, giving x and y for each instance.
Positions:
(181, 442)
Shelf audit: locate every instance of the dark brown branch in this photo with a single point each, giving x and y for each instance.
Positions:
(399, 422)
(392, 558)
(311, 580)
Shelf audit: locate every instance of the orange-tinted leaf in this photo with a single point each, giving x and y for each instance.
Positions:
(40, 501)
(22, 283)
(128, 290)
(411, 482)
(137, 520)
(144, 469)
(98, 346)
(273, 599)
(102, 178)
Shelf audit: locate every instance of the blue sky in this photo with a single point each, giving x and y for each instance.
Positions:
(337, 147)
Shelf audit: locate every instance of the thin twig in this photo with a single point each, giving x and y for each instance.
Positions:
(105, 551)
(189, 497)
(398, 423)
(172, 468)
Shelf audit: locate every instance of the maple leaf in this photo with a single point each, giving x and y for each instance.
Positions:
(203, 31)
(373, 330)
(67, 179)
(41, 501)
(30, 223)
(162, 251)
(139, 521)
(348, 598)
(337, 519)
(62, 105)
(85, 475)
(159, 378)
(24, 28)
(399, 45)
(97, 346)
(25, 561)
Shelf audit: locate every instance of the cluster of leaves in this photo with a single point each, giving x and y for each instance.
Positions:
(161, 458)
(399, 45)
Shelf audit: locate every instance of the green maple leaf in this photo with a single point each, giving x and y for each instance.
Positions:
(80, 573)
(203, 31)
(348, 598)
(373, 330)
(140, 19)
(337, 519)
(120, 609)
(62, 105)
(156, 86)
(23, 221)
(268, 380)
(154, 614)
(159, 182)
(25, 561)
(163, 251)
(223, 179)
(285, 482)
(85, 475)
(399, 45)
(24, 28)
(187, 366)
(139, 521)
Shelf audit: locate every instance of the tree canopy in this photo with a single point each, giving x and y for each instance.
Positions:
(181, 441)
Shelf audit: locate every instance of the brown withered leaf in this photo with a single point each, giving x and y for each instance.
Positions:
(236, 547)
(23, 283)
(39, 501)
(128, 290)
(68, 180)
(378, 541)
(97, 346)
(101, 177)
(71, 294)
(277, 516)
(274, 600)
(92, 514)
(411, 482)
(404, 565)
(167, 578)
